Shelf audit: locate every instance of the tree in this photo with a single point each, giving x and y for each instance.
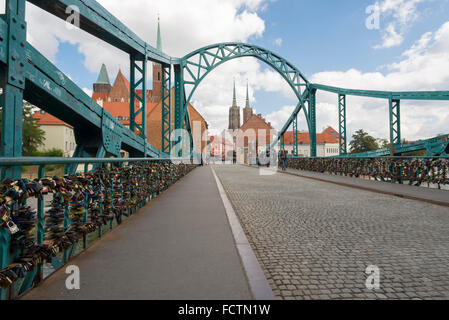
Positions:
(33, 136)
(384, 143)
(363, 142)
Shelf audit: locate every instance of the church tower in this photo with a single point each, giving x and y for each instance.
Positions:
(157, 70)
(103, 85)
(234, 114)
(248, 111)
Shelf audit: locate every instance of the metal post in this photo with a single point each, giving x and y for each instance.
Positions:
(342, 124)
(295, 136)
(312, 116)
(179, 100)
(138, 80)
(166, 109)
(395, 121)
(12, 80)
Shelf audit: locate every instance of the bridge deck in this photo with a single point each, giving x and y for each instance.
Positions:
(432, 195)
(315, 240)
(178, 247)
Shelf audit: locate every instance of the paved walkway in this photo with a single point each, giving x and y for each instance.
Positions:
(315, 239)
(434, 196)
(180, 246)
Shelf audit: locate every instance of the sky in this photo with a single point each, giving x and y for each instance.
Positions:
(327, 40)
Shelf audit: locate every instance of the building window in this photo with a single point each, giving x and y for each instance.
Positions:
(158, 76)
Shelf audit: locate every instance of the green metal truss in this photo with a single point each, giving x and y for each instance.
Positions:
(166, 110)
(194, 67)
(138, 79)
(343, 142)
(295, 137)
(395, 121)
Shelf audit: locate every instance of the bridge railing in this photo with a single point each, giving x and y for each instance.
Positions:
(73, 210)
(418, 171)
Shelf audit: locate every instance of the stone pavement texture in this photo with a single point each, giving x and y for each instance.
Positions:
(315, 240)
(180, 246)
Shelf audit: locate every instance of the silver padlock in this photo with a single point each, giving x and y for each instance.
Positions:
(13, 228)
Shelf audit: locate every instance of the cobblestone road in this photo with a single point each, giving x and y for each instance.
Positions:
(315, 240)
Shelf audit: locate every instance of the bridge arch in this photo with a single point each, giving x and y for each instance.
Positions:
(195, 66)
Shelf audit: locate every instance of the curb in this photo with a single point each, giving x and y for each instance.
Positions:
(258, 283)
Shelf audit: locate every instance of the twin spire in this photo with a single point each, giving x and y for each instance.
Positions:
(234, 99)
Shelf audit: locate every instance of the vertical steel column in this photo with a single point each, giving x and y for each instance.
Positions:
(395, 121)
(295, 136)
(12, 81)
(343, 142)
(282, 142)
(166, 109)
(179, 100)
(136, 83)
(312, 122)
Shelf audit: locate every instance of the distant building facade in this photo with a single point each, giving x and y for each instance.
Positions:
(58, 134)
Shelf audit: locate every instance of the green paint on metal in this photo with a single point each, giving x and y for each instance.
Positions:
(166, 110)
(103, 77)
(395, 121)
(312, 115)
(295, 137)
(342, 124)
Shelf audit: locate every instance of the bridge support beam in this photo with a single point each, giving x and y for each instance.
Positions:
(395, 121)
(12, 80)
(166, 109)
(138, 74)
(179, 103)
(295, 137)
(343, 142)
(312, 121)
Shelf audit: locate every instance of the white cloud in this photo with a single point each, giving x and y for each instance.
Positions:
(278, 42)
(390, 38)
(425, 66)
(401, 13)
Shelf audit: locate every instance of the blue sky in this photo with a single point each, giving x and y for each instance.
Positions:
(326, 39)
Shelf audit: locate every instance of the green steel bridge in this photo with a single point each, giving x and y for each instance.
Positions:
(27, 75)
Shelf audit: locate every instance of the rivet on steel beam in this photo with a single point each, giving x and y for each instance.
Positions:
(14, 20)
(13, 78)
(22, 64)
(13, 37)
(14, 58)
(21, 81)
(22, 44)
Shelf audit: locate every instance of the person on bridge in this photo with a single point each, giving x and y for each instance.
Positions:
(283, 159)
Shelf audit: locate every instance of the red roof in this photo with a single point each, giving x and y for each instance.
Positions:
(304, 138)
(44, 118)
(99, 96)
(332, 132)
(120, 111)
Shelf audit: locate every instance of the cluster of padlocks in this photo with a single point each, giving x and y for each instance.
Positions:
(80, 204)
(402, 170)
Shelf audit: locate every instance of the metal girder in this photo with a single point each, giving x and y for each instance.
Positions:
(166, 110)
(406, 95)
(343, 142)
(395, 121)
(435, 147)
(312, 115)
(138, 80)
(295, 136)
(52, 91)
(96, 20)
(12, 80)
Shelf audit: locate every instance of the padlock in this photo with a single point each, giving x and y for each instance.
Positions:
(13, 228)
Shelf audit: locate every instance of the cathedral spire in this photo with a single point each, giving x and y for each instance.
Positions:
(234, 99)
(247, 95)
(159, 38)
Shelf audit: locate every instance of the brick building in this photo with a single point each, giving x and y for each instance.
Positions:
(116, 100)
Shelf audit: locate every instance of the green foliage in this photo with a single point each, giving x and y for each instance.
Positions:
(52, 153)
(363, 142)
(384, 144)
(33, 136)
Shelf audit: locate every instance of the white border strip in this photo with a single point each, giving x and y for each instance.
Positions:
(258, 283)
